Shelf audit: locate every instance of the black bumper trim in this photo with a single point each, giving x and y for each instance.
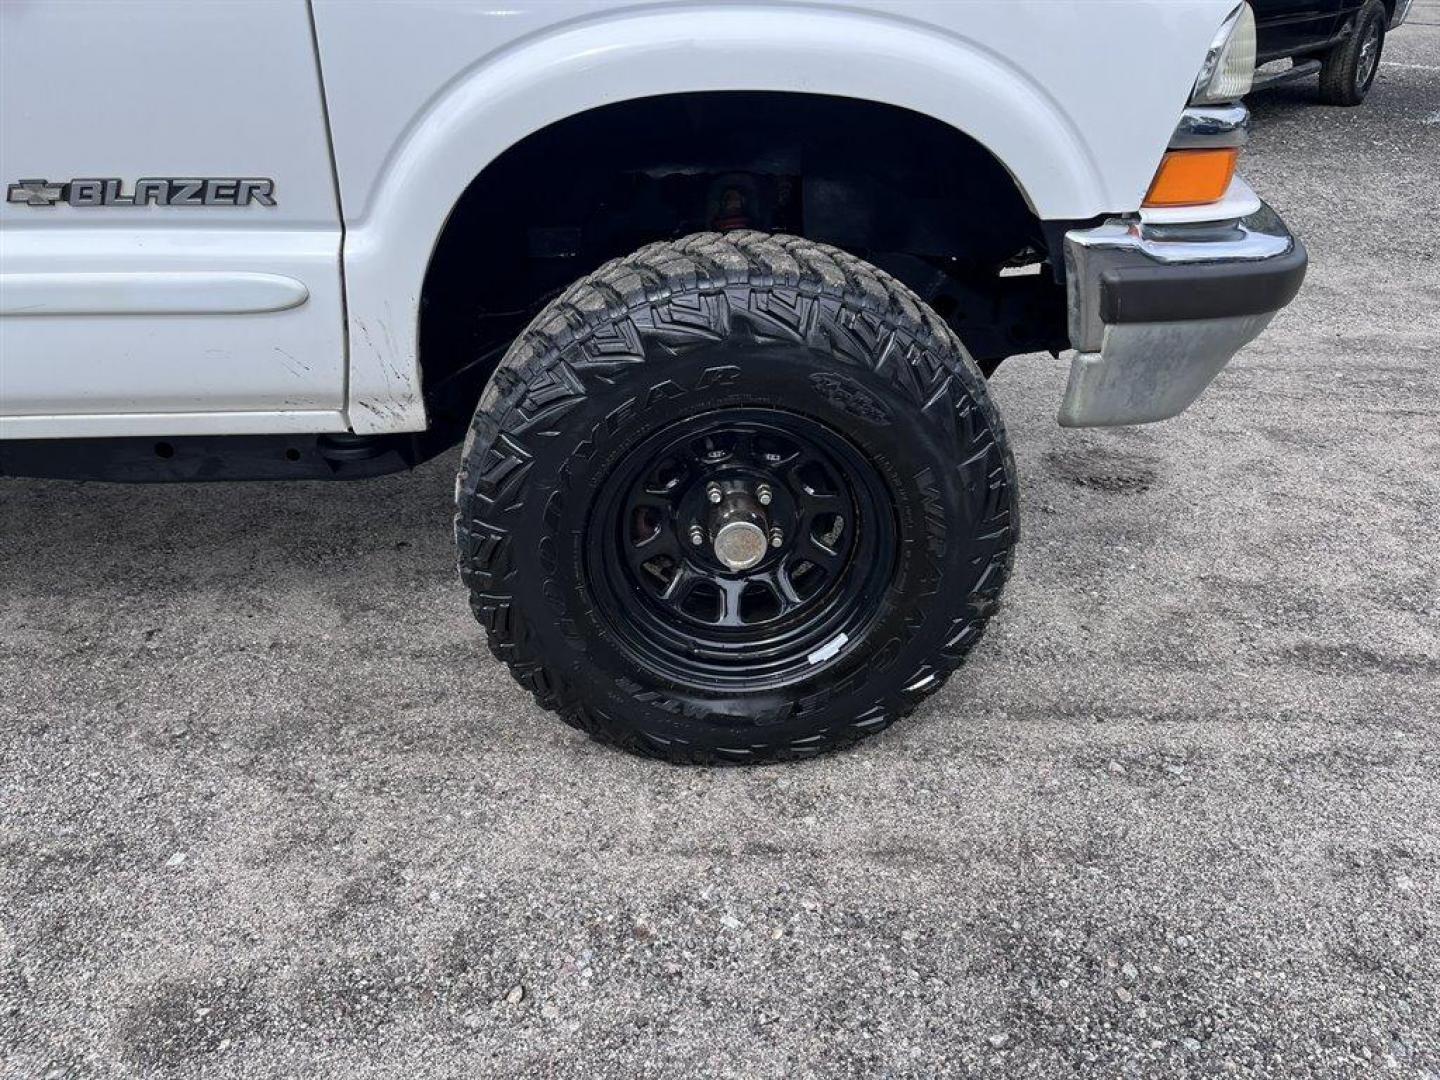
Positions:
(1136, 289)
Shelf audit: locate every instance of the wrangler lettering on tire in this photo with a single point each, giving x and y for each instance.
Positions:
(736, 497)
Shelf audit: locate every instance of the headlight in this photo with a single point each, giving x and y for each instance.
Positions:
(1229, 67)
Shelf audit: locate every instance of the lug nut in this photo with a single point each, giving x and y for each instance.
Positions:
(763, 494)
(697, 537)
(776, 536)
(712, 492)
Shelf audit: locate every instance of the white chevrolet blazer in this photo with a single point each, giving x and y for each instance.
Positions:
(708, 290)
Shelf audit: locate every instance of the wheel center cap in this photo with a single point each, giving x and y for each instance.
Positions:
(740, 545)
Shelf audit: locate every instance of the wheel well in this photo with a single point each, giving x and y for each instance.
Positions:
(908, 192)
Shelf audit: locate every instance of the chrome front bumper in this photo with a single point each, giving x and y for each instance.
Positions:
(1157, 310)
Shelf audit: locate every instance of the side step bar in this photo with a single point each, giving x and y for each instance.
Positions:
(1296, 71)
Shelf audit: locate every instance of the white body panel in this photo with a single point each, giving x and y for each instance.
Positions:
(421, 103)
(152, 319)
(1077, 99)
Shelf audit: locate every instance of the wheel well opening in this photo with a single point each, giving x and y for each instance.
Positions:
(903, 190)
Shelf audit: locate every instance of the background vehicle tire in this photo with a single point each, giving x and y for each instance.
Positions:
(714, 366)
(1349, 69)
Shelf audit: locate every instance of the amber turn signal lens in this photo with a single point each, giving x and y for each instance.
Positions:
(1190, 177)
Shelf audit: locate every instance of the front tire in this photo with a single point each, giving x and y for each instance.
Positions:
(735, 498)
(1348, 70)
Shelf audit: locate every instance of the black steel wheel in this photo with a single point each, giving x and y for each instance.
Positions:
(735, 498)
(741, 547)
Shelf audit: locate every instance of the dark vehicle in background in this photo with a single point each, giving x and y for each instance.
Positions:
(1340, 39)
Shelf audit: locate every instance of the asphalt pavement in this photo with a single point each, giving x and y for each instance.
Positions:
(269, 809)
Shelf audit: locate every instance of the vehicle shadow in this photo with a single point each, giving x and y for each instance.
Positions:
(1285, 99)
(90, 540)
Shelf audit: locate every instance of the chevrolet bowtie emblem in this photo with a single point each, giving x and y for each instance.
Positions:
(34, 193)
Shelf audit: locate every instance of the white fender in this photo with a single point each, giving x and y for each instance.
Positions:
(998, 71)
